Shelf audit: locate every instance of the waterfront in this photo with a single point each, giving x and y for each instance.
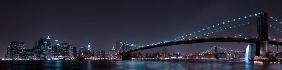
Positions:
(134, 65)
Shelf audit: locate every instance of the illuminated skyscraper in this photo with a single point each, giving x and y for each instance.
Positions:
(43, 48)
(89, 51)
(89, 47)
(67, 51)
(56, 50)
(82, 51)
(14, 50)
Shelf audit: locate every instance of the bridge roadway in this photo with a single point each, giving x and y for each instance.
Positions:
(203, 40)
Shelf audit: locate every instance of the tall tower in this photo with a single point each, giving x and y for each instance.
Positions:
(89, 47)
(262, 30)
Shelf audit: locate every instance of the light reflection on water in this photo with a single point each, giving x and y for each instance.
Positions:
(134, 65)
(248, 66)
(89, 65)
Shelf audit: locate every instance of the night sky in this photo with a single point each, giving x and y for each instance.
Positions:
(104, 22)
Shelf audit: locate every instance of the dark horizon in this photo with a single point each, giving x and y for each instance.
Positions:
(103, 23)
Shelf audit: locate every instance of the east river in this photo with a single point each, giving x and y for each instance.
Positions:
(134, 65)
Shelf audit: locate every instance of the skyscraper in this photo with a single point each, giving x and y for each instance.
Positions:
(56, 50)
(14, 50)
(89, 52)
(43, 48)
(67, 51)
(89, 47)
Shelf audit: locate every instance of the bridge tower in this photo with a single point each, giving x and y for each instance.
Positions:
(262, 30)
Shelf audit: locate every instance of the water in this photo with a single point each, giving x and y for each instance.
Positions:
(134, 65)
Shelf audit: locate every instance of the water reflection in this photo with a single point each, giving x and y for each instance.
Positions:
(131, 65)
(89, 65)
(135, 65)
(249, 66)
(58, 65)
(176, 66)
(52, 65)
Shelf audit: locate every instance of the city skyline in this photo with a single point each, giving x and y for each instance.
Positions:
(103, 23)
(141, 35)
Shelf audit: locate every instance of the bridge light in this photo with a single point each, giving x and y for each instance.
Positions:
(228, 21)
(234, 19)
(250, 15)
(223, 22)
(217, 24)
(276, 20)
(239, 18)
(245, 16)
(256, 14)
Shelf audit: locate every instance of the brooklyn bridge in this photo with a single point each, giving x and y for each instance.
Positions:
(261, 41)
